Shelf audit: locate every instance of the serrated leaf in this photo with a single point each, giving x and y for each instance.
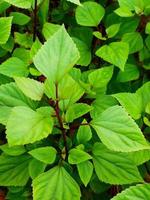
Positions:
(14, 67)
(49, 29)
(113, 167)
(132, 102)
(5, 24)
(11, 96)
(30, 87)
(115, 53)
(14, 170)
(118, 131)
(89, 14)
(77, 156)
(57, 56)
(44, 154)
(55, 183)
(5, 112)
(27, 126)
(137, 192)
(85, 170)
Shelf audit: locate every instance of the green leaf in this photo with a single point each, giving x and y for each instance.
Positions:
(113, 167)
(130, 73)
(23, 39)
(14, 67)
(84, 133)
(137, 192)
(77, 2)
(99, 78)
(147, 28)
(36, 168)
(134, 40)
(5, 112)
(132, 102)
(55, 183)
(77, 156)
(30, 87)
(11, 96)
(14, 170)
(77, 110)
(20, 18)
(142, 91)
(85, 52)
(57, 56)
(35, 47)
(127, 3)
(27, 126)
(89, 14)
(21, 4)
(3, 6)
(13, 151)
(115, 53)
(85, 170)
(112, 30)
(49, 29)
(139, 157)
(44, 154)
(9, 45)
(5, 24)
(118, 131)
(101, 103)
(124, 12)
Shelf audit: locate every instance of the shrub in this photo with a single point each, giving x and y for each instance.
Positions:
(74, 99)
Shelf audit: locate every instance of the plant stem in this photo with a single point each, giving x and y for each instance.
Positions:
(35, 21)
(57, 110)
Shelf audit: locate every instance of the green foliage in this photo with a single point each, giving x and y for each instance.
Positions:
(75, 99)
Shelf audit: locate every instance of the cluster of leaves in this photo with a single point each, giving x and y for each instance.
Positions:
(75, 99)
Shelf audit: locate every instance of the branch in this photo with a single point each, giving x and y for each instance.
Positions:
(57, 111)
(35, 21)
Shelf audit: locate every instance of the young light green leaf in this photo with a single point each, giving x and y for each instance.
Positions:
(124, 12)
(77, 2)
(30, 87)
(137, 192)
(89, 14)
(118, 131)
(147, 28)
(44, 154)
(23, 39)
(14, 67)
(27, 126)
(77, 156)
(112, 30)
(115, 53)
(14, 170)
(84, 133)
(113, 167)
(57, 56)
(55, 183)
(5, 24)
(85, 170)
(99, 78)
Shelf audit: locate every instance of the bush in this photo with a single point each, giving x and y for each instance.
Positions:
(74, 99)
